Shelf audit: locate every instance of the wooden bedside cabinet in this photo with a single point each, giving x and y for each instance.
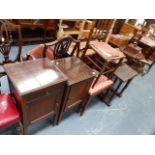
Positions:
(38, 86)
(80, 78)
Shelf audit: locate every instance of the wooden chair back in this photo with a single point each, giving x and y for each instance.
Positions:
(100, 29)
(62, 46)
(6, 40)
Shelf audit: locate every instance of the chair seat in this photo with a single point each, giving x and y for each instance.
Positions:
(102, 84)
(8, 111)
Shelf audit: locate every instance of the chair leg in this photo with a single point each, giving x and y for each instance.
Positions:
(85, 105)
(19, 128)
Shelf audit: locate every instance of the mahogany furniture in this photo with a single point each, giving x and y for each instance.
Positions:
(135, 57)
(99, 31)
(148, 46)
(80, 77)
(118, 40)
(100, 84)
(122, 78)
(107, 58)
(6, 40)
(103, 54)
(38, 86)
(64, 47)
(9, 114)
(45, 25)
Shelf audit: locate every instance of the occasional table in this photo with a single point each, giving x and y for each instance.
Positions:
(38, 87)
(80, 78)
(123, 74)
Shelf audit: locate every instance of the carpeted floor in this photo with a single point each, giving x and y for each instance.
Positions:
(133, 113)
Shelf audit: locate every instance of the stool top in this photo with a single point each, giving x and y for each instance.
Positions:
(125, 72)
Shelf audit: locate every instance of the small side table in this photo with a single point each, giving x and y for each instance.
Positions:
(123, 74)
(121, 79)
(80, 78)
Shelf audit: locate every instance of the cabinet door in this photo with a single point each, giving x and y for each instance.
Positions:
(77, 93)
(46, 104)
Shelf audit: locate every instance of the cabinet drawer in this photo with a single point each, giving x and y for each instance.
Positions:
(43, 92)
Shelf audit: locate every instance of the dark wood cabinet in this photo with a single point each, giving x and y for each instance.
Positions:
(38, 86)
(80, 78)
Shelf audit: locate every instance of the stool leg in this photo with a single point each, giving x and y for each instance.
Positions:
(117, 88)
(126, 85)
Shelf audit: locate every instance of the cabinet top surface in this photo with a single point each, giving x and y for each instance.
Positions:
(30, 76)
(75, 69)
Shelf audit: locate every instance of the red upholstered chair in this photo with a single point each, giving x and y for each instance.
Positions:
(100, 84)
(38, 52)
(9, 114)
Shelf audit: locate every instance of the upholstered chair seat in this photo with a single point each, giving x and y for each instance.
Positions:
(8, 111)
(102, 84)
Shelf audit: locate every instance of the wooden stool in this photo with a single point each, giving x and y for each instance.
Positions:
(123, 74)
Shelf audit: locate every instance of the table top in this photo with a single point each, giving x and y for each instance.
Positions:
(75, 69)
(106, 51)
(125, 72)
(30, 76)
